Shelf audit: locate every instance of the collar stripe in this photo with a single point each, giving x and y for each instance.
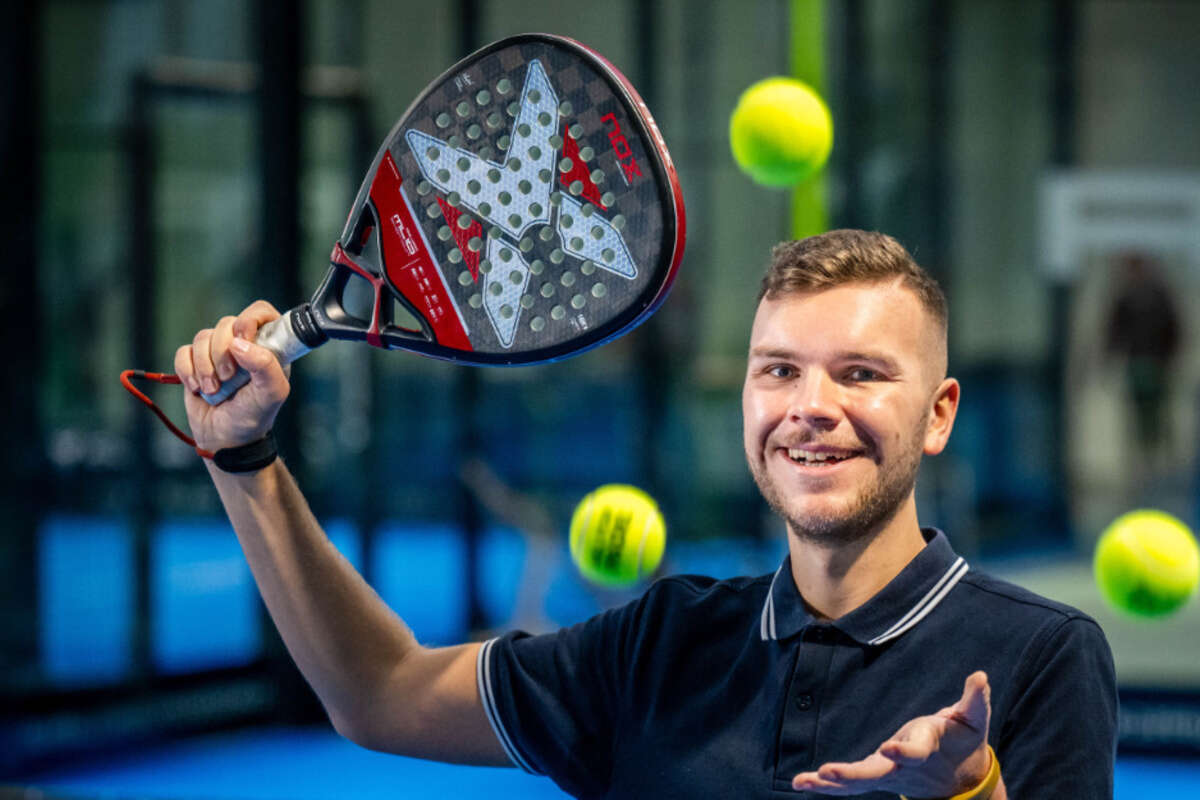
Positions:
(926, 604)
(766, 626)
(483, 677)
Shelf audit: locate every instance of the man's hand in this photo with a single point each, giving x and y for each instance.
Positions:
(939, 755)
(214, 356)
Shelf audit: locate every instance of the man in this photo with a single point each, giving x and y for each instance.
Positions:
(873, 662)
(1143, 329)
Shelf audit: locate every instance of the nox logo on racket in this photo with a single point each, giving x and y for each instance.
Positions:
(538, 199)
(620, 146)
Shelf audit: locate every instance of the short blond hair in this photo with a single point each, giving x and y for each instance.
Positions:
(850, 256)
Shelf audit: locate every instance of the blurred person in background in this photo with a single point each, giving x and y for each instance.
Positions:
(1143, 331)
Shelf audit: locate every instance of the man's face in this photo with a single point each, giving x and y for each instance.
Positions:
(843, 394)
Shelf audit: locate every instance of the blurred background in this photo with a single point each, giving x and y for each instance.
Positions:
(166, 162)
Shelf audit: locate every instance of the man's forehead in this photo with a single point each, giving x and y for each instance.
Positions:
(854, 311)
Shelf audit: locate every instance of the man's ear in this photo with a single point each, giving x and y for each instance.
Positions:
(941, 416)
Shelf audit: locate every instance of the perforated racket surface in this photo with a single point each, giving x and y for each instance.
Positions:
(524, 209)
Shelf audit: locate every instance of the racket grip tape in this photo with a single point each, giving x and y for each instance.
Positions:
(289, 337)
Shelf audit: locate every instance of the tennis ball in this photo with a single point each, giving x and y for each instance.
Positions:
(1147, 563)
(780, 132)
(617, 535)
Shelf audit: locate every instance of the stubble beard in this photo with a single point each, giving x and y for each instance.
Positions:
(868, 512)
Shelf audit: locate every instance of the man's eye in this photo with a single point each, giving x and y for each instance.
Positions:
(781, 371)
(860, 374)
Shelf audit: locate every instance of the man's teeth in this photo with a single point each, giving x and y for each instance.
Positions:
(808, 457)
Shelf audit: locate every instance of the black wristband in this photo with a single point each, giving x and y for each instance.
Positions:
(248, 457)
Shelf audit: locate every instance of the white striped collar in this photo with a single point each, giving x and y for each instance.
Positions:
(767, 625)
(895, 609)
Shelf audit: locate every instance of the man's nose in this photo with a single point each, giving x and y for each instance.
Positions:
(817, 400)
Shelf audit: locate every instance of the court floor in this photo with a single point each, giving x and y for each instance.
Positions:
(315, 763)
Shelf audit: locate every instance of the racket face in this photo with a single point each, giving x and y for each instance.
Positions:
(524, 209)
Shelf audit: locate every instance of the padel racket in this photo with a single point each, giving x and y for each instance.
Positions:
(524, 209)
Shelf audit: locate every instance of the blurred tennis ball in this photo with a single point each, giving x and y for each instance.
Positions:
(617, 535)
(780, 132)
(1147, 563)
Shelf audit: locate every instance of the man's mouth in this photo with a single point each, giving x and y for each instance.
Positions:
(820, 458)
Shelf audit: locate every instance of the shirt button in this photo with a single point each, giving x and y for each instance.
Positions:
(804, 702)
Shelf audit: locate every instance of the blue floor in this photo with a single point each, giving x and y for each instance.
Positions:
(283, 764)
(316, 764)
(1158, 778)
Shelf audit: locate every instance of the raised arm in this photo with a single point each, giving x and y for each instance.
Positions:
(380, 687)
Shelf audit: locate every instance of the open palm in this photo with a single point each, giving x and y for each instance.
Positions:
(938, 755)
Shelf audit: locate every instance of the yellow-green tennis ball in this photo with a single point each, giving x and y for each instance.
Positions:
(780, 132)
(617, 535)
(1147, 563)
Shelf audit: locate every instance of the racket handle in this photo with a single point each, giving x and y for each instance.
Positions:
(289, 337)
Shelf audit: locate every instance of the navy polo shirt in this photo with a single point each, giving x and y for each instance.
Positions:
(720, 689)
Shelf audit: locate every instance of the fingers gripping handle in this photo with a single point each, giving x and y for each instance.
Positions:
(289, 337)
(278, 337)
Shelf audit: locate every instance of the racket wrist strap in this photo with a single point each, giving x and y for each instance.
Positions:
(248, 457)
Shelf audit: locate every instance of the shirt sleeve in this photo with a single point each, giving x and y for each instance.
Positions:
(555, 700)
(1059, 738)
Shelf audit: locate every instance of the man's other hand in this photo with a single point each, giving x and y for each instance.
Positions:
(939, 755)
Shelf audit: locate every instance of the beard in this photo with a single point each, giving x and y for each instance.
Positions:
(872, 507)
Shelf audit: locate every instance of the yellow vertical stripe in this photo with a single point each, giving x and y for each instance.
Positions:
(809, 214)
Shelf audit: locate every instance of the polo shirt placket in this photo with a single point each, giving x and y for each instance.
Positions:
(801, 712)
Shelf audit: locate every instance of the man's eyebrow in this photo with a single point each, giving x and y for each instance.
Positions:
(785, 354)
(772, 352)
(879, 358)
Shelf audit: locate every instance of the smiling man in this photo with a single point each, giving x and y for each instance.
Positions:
(873, 662)
(845, 391)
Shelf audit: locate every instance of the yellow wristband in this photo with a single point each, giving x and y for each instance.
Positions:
(986, 786)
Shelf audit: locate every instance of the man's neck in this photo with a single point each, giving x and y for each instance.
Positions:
(836, 579)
